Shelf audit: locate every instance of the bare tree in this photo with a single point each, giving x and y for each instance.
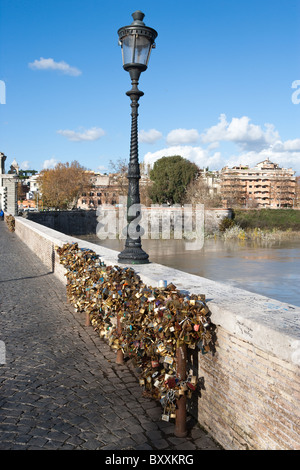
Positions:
(120, 172)
(233, 191)
(282, 190)
(199, 192)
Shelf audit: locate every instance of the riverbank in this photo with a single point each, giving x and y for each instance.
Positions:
(237, 232)
(263, 224)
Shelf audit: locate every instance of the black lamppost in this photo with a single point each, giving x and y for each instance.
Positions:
(136, 41)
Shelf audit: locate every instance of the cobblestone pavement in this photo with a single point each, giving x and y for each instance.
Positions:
(60, 387)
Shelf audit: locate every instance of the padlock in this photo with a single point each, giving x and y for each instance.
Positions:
(168, 360)
(193, 380)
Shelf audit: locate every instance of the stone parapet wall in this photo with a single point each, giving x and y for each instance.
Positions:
(83, 222)
(250, 395)
(77, 222)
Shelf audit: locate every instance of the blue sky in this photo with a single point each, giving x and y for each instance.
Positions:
(218, 89)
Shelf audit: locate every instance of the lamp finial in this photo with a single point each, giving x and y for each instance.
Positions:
(138, 17)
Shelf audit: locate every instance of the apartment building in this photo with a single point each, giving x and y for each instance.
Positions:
(265, 185)
(106, 189)
(111, 189)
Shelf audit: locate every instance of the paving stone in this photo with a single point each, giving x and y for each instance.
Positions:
(139, 438)
(206, 443)
(187, 445)
(160, 444)
(37, 442)
(154, 435)
(197, 433)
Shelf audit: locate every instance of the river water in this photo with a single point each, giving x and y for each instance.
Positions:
(269, 268)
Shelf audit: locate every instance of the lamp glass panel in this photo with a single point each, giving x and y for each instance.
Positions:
(142, 47)
(128, 49)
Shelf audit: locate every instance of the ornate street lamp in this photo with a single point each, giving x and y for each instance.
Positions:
(136, 41)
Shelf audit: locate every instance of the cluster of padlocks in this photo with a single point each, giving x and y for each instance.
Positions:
(149, 325)
(10, 220)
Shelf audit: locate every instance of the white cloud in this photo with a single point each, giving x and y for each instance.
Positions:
(101, 167)
(213, 145)
(287, 146)
(204, 157)
(285, 159)
(85, 135)
(240, 131)
(50, 64)
(182, 136)
(198, 155)
(149, 137)
(51, 163)
(25, 165)
(254, 143)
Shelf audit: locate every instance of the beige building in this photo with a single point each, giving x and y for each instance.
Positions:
(111, 189)
(106, 190)
(265, 185)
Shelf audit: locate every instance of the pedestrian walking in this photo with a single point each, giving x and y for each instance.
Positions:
(1, 214)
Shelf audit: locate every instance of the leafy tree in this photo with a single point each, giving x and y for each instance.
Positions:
(171, 176)
(62, 185)
(23, 174)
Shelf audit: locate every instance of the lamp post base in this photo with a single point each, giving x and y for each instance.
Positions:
(133, 256)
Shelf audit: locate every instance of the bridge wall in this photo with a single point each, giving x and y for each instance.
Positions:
(82, 222)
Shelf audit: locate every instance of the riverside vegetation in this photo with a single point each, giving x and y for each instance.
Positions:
(263, 224)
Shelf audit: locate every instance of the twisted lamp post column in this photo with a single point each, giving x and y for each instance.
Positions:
(133, 252)
(136, 41)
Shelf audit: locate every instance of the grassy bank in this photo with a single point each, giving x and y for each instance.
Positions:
(268, 219)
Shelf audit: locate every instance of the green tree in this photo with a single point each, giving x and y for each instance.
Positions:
(171, 176)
